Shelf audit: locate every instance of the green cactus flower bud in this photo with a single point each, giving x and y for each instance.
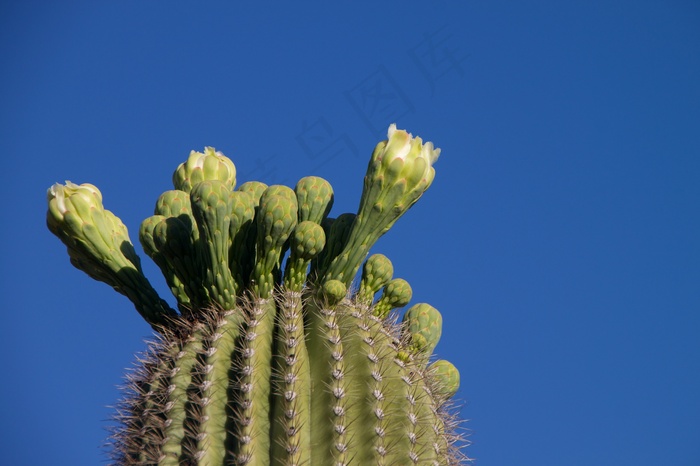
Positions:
(212, 206)
(400, 171)
(285, 192)
(173, 203)
(333, 291)
(242, 233)
(210, 165)
(146, 237)
(99, 245)
(396, 293)
(423, 323)
(315, 198)
(279, 190)
(176, 203)
(307, 242)
(255, 189)
(445, 377)
(243, 211)
(340, 229)
(337, 231)
(178, 242)
(173, 240)
(376, 273)
(276, 219)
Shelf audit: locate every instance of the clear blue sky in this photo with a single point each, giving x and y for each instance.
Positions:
(559, 239)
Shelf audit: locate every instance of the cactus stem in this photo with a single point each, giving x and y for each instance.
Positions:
(219, 349)
(379, 394)
(254, 385)
(329, 400)
(180, 380)
(291, 433)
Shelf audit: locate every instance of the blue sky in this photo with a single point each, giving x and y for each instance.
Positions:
(559, 239)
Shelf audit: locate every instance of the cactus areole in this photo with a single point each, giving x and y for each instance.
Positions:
(273, 354)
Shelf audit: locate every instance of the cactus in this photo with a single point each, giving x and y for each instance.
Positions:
(274, 355)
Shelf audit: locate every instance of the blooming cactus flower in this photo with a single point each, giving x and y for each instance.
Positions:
(78, 208)
(403, 156)
(59, 193)
(210, 165)
(98, 244)
(399, 172)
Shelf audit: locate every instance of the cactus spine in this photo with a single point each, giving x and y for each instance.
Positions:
(273, 356)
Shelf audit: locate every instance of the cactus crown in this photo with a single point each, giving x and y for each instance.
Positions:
(273, 356)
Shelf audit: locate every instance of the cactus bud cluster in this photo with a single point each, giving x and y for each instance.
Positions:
(273, 355)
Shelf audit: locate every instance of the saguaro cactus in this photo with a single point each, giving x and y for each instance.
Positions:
(274, 355)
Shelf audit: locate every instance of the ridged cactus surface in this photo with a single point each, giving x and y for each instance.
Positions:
(275, 353)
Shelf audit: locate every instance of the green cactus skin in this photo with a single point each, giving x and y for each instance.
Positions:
(422, 324)
(274, 357)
